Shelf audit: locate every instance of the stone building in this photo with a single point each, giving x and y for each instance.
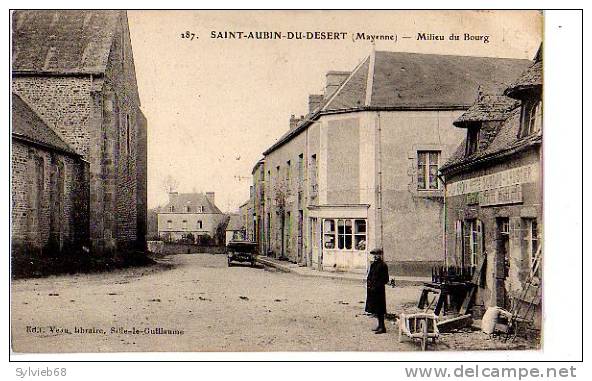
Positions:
(189, 216)
(49, 187)
(258, 204)
(494, 207)
(75, 70)
(360, 169)
(247, 213)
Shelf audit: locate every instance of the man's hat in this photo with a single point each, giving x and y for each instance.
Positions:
(376, 251)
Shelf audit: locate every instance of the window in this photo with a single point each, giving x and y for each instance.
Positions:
(427, 170)
(127, 135)
(169, 224)
(531, 241)
(473, 136)
(531, 118)
(344, 234)
(349, 235)
(313, 176)
(184, 224)
(360, 234)
(199, 225)
(288, 170)
(473, 241)
(329, 234)
(188, 208)
(300, 169)
(172, 208)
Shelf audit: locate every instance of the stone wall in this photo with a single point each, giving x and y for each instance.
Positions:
(49, 209)
(496, 287)
(99, 117)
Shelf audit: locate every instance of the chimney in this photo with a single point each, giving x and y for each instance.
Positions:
(294, 121)
(173, 198)
(211, 197)
(314, 102)
(334, 79)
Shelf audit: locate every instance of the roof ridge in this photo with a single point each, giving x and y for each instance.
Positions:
(370, 79)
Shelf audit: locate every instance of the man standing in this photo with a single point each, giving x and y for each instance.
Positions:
(375, 294)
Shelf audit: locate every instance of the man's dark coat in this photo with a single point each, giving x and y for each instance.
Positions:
(377, 278)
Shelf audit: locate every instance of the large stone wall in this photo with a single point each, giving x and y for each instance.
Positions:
(100, 118)
(44, 211)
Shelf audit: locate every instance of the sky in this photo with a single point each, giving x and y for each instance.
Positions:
(214, 105)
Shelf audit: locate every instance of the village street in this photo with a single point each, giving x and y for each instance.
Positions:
(218, 309)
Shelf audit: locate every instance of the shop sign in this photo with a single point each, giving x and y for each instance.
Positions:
(498, 180)
(505, 195)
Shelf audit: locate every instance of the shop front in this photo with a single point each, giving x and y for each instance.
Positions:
(339, 237)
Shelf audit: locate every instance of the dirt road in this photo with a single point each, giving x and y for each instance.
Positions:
(199, 305)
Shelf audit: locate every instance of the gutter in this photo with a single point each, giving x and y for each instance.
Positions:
(45, 145)
(314, 117)
(456, 168)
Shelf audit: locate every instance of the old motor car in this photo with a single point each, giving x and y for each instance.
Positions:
(241, 251)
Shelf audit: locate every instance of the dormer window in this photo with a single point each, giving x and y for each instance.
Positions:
(473, 135)
(531, 119)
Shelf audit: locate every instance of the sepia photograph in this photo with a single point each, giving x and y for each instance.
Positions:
(276, 181)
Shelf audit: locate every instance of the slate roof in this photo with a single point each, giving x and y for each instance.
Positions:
(64, 41)
(28, 125)
(414, 81)
(195, 200)
(236, 222)
(502, 138)
(531, 78)
(488, 108)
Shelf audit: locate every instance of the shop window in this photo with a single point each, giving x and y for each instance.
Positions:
(360, 234)
(531, 244)
(329, 234)
(344, 234)
(427, 170)
(531, 118)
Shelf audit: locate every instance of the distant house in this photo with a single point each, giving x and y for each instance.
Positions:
(189, 215)
(235, 230)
